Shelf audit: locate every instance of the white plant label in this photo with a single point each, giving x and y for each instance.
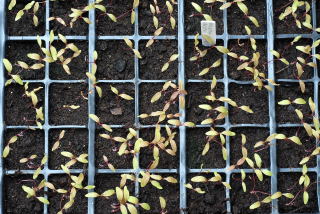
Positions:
(208, 28)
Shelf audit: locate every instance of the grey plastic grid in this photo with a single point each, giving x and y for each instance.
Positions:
(181, 38)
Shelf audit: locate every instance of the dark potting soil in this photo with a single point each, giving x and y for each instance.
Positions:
(146, 26)
(193, 18)
(288, 25)
(24, 47)
(241, 201)
(291, 91)
(78, 66)
(250, 96)
(18, 28)
(65, 95)
(15, 200)
(147, 90)
(290, 53)
(253, 135)
(29, 143)
(149, 194)
(74, 141)
(243, 48)
(287, 182)
(166, 161)
(104, 182)
(18, 107)
(62, 9)
(115, 61)
(113, 110)
(123, 26)
(196, 140)
(290, 154)
(213, 201)
(237, 19)
(194, 68)
(110, 148)
(196, 97)
(155, 56)
(57, 201)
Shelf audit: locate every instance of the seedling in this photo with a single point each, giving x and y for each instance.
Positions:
(56, 145)
(154, 179)
(30, 9)
(33, 191)
(74, 159)
(130, 45)
(92, 75)
(39, 110)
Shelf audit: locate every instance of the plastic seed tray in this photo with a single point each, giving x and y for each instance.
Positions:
(183, 171)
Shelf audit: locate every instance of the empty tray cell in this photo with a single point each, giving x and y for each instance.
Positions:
(113, 109)
(292, 91)
(78, 65)
(18, 28)
(249, 95)
(74, 141)
(289, 154)
(115, 61)
(290, 53)
(196, 96)
(147, 91)
(237, 20)
(29, 142)
(166, 160)
(68, 104)
(24, 47)
(155, 57)
(193, 17)
(62, 9)
(244, 48)
(109, 148)
(253, 135)
(196, 142)
(19, 109)
(194, 68)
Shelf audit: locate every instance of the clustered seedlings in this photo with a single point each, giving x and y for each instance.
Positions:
(122, 142)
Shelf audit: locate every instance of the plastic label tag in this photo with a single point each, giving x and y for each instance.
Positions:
(208, 28)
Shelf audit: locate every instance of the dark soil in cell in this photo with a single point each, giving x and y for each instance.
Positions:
(115, 61)
(290, 53)
(78, 66)
(290, 154)
(29, 143)
(196, 141)
(57, 201)
(18, 107)
(147, 91)
(213, 201)
(15, 200)
(250, 96)
(237, 19)
(170, 192)
(14, 56)
(74, 141)
(193, 18)
(196, 96)
(241, 201)
(166, 161)
(104, 182)
(287, 182)
(18, 28)
(193, 68)
(146, 26)
(243, 48)
(155, 56)
(291, 91)
(113, 110)
(110, 148)
(62, 9)
(253, 135)
(64, 95)
(288, 25)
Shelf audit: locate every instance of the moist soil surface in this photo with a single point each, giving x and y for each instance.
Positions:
(237, 19)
